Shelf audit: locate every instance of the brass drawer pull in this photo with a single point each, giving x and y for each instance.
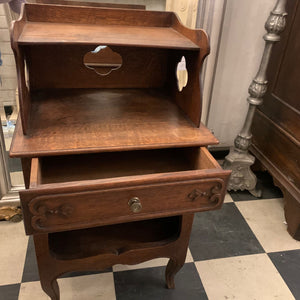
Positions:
(135, 204)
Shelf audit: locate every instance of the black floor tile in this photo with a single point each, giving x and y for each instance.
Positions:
(265, 184)
(219, 154)
(222, 233)
(288, 265)
(149, 284)
(30, 272)
(9, 292)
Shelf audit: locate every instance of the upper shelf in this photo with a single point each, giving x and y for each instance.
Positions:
(76, 121)
(57, 33)
(57, 24)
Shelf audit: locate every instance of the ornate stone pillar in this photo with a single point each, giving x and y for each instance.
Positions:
(239, 160)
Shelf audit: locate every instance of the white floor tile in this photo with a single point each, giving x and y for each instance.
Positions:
(266, 219)
(227, 198)
(17, 178)
(12, 252)
(7, 140)
(242, 278)
(32, 290)
(90, 287)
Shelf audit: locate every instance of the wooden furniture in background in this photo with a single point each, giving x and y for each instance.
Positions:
(115, 165)
(276, 125)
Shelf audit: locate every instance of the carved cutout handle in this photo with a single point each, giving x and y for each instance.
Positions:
(103, 60)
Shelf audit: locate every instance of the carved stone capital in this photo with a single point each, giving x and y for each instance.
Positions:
(257, 89)
(255, 101)
(242, 143)
(274, 26)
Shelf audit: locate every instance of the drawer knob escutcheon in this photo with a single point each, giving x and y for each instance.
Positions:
(135, 204)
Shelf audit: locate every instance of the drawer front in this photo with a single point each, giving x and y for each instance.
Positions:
(50, 211)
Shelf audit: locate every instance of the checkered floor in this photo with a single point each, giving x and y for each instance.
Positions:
(239, 252)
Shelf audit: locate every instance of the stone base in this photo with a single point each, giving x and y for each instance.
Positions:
(242, 178)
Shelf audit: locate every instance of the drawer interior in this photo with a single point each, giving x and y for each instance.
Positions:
(114, 239)
(58, 169)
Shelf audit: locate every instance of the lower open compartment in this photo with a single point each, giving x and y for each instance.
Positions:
(114, 239)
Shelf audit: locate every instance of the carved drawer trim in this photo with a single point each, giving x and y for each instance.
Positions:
(66, 211)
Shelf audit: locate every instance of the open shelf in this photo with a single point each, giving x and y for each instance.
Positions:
(75, 121)
(59, 33)
(113, 239)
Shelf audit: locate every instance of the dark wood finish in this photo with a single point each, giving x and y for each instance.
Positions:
(116, 165)
(277, 120)
(292, 211)
(290, 193)
(194, 61)
(24, 96)
(161, 37)
(97, 16)
(50, 268)
(44, 32)
(121, 164)
(85, 121)
(52, 66)
(56, 207)
(113, 239)
(26, 166)
(282, 149)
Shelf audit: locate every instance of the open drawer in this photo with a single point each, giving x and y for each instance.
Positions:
(77, 191)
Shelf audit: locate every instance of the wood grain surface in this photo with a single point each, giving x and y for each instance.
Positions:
(116, 239)
(73, 121)
(56, 33)
(172, 186)
(91, 144)
(58, 25)
(50, 267)
(52, 66)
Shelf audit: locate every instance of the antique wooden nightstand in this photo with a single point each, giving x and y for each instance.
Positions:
(114, 155)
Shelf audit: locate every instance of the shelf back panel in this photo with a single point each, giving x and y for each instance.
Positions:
(57, 66)
(96, 15)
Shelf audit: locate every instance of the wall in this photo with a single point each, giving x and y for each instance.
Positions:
(7, 70)
(241, 48)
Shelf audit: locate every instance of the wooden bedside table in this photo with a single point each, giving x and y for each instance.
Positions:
(114, 155)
